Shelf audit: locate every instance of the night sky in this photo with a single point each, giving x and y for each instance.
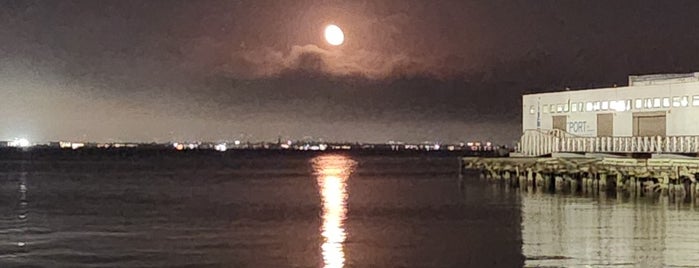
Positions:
(414, 71)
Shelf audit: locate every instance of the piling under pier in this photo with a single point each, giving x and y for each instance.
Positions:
(672, 177)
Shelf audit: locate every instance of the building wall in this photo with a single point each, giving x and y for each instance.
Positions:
(676, 100)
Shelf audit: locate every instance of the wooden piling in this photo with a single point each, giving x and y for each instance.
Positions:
(602, 182)
(539, 181)
(573, 184)
(558, 181)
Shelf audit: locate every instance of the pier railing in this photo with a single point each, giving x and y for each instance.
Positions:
(542, 142)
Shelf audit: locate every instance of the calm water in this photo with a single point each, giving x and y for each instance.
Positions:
(313, 210)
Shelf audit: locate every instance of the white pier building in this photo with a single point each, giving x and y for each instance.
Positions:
(653, 114)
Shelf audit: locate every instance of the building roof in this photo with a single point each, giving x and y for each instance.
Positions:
(661, 79)
(643, 80)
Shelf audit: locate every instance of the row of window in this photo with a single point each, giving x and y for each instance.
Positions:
(619, 106)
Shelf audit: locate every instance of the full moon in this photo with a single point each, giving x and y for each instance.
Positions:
(334, 35)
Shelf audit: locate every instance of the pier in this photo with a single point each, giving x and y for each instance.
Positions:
(664, 176)
(641, 139)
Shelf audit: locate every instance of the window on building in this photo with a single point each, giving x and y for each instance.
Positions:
(566, 107)
(675, 101)
(531, 109)
(605, 105)
(649, 103)
(666, 102)
(559, 108)
(684, 101)
(574, 107)
(628, 105)
(588, 106)
(639, 104)
(545, 108)
(618, 106)
(656, 102)
(695, 100)
(552, 108)
(596, 106)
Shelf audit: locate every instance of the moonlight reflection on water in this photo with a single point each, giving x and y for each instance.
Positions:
(332, 172)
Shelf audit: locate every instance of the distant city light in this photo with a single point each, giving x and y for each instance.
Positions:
(236, 142)
(178, 146)
(76, 145)
(22, 142)
(220, 147)
(70, 145)
(282, 145)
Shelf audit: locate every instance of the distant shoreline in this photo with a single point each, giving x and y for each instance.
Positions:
(8, 153)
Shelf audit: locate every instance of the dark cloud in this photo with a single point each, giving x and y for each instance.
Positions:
(267, 62)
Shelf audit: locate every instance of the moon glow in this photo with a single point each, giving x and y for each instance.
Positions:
(334, 35)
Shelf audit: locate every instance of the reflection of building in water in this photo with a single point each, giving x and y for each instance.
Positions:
(568, 231)
(332, 173)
